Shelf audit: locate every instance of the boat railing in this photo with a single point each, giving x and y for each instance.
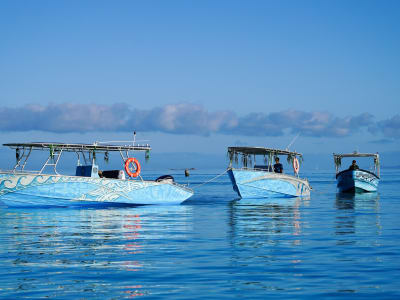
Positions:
(183, 186)
(272, 172)
(8, 171)
(251, 168)
(269, 170)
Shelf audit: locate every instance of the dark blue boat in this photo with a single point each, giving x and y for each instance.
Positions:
(355, 179)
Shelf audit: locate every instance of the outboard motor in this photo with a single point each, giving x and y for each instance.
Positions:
(167, 178)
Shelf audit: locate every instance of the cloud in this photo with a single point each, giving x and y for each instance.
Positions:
(389, 128)
(181, 119)
(186, 118)
(315, 124)
(63, 118)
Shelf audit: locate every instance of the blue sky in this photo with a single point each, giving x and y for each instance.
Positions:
(199, 76)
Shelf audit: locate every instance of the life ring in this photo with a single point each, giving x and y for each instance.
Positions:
(296, 165)
(128, 170)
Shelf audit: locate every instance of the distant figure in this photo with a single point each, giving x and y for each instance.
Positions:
(353, 166)
(278, 168)
(186, 173)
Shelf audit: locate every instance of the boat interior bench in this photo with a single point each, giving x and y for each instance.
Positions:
(93, 171)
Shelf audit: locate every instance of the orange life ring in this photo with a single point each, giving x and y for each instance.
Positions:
(128, 170)
(296, 165)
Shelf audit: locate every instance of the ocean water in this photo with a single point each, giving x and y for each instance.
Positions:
(213, 246)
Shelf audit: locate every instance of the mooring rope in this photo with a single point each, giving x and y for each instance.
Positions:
(208, 181)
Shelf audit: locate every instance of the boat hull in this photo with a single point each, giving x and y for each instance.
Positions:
(357, 181)
(249, 183)
(59, 190)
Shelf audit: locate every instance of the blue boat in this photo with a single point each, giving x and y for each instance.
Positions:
(89, 186)
(265, 181)
(354, 179)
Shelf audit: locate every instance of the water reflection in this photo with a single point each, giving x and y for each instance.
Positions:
(80, 248)
(266, 222)
(356, 212)
(275, 216)
(368, 201)
(266, 238)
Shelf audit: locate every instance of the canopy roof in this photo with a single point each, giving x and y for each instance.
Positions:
(261, 151)
(98, 147)
(356, 154)
(337, 158)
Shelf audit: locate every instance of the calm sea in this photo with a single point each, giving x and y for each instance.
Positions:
(211, 247)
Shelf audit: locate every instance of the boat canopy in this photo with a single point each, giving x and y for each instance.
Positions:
(337, 157)
(98, 147)
(356, 154)
(247, 153)
(23, 151)
(261, 151)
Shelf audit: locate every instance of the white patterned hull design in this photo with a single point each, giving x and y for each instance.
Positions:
(59, 190)
(250, 183)
(357, 181)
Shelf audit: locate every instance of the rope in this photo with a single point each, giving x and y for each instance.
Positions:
(208, 181)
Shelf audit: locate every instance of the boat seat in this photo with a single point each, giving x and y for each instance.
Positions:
(87, 171)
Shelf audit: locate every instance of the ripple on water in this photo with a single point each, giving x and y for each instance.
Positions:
(212, 246)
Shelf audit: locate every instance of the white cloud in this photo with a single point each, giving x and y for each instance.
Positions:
(186, 118)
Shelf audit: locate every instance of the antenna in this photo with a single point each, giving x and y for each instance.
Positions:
(291, 143)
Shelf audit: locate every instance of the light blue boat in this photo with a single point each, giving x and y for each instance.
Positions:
(356, 180)
(88, 187)
(261, 181)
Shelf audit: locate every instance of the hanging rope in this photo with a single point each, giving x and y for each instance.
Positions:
(208, 181)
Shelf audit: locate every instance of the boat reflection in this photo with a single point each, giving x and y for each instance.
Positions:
(266, 234)
(354, 215)
(265, 218)
(357, 200)
(100, 241)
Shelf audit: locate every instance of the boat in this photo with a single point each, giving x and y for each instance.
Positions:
(262, 181)
(88, 186)
(355, 179)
